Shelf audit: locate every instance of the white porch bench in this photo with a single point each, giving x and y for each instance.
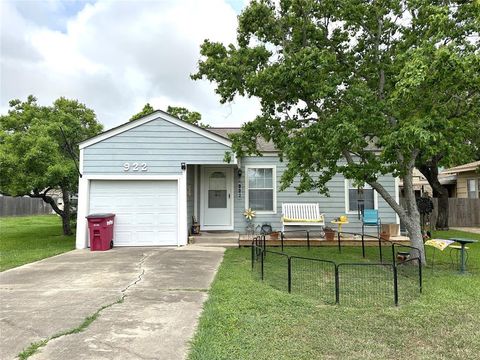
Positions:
(302, 214)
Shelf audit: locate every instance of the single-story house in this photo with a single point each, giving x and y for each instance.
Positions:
(423, 188)
(468, 179)
(157, 172)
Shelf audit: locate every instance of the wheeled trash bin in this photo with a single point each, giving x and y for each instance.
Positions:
(100, 227)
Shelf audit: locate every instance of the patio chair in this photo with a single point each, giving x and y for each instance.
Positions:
(438, 244)
(370, 218)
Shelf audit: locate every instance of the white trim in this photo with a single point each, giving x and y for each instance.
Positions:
(156, 115)
(195, 191)
(133, 177)
(81, 241)
(347, 199)
(202, 199)
(208, 134)
(80, 162)
(397, 198)
(182, 220)
(274, 184)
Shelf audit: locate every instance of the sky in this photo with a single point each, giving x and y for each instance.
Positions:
(115, 56)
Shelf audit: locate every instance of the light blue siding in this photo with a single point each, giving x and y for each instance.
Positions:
(333, 206)
(163, 146)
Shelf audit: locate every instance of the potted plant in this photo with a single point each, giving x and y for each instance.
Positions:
(274, 235)
(329, 233)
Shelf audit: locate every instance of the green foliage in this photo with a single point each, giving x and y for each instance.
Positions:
(192, 117)
(147, 110)
(182, 113)
(337, 80)
(34, 154)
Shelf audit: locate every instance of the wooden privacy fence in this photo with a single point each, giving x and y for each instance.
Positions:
(461, 212)
(18, 206)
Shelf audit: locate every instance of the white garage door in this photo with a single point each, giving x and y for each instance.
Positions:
(145, 211)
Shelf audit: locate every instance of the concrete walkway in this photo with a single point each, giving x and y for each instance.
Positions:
(163, 290)
(472, 229)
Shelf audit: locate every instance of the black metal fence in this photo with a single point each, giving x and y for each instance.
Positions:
(390, 274)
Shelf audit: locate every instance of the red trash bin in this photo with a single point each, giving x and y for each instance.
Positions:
(100, 227)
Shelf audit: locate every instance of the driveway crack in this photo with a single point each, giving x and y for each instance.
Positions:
(35, 346)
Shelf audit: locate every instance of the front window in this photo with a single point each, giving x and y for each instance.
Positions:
(472, 185)
(261, 189)
(357, 194)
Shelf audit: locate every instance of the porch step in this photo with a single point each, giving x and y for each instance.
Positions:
(215, 238)
(215, 244)
(212, 240)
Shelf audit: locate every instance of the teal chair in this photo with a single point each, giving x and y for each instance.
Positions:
(370, 218)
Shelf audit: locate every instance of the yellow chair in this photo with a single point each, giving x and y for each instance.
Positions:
(438, 244)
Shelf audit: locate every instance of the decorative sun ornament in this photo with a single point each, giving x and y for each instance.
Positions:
(249, 214)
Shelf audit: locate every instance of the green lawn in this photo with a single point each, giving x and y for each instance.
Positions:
(246, 319)
(31, 238)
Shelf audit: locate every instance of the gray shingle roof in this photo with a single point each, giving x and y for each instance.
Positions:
(262, 145)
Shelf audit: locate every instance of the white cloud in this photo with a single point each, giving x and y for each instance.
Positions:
(115, 56)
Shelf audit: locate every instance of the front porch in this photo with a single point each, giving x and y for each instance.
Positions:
(211, 198)
(234, 239)
(347, 240)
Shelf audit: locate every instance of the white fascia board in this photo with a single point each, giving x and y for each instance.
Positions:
(196, 129)
(132, 177)
(80, 163)
(156, 115)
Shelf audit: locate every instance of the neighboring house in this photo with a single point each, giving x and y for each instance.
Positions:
(423, 188)
(468, 179)
(157, 172)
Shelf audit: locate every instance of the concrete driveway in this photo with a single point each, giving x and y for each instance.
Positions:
(163, 290)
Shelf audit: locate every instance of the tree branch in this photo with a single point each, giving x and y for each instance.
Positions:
(49, 200)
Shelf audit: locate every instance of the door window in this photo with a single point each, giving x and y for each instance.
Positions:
(217, 190)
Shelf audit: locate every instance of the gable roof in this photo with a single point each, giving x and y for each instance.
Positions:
(262, 145)
(157, 114)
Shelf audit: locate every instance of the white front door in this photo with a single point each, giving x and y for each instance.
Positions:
(217, 198)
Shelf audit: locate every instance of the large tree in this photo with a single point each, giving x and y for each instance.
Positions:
(361, 88)
(459, 144)
(147, 110)
(38, 150)
(192, 117)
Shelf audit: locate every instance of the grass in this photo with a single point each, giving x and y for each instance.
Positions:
(247, 319)
(31, 238)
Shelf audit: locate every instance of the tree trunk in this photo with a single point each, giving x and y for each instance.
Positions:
(442, 212)
(408, 214)
(64, 214)
(430, 171)
(67, 228)
(411, 216)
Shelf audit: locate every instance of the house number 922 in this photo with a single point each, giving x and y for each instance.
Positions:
(135, 166)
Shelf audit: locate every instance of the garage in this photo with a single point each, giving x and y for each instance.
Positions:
(138, 171)
(146, 211)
